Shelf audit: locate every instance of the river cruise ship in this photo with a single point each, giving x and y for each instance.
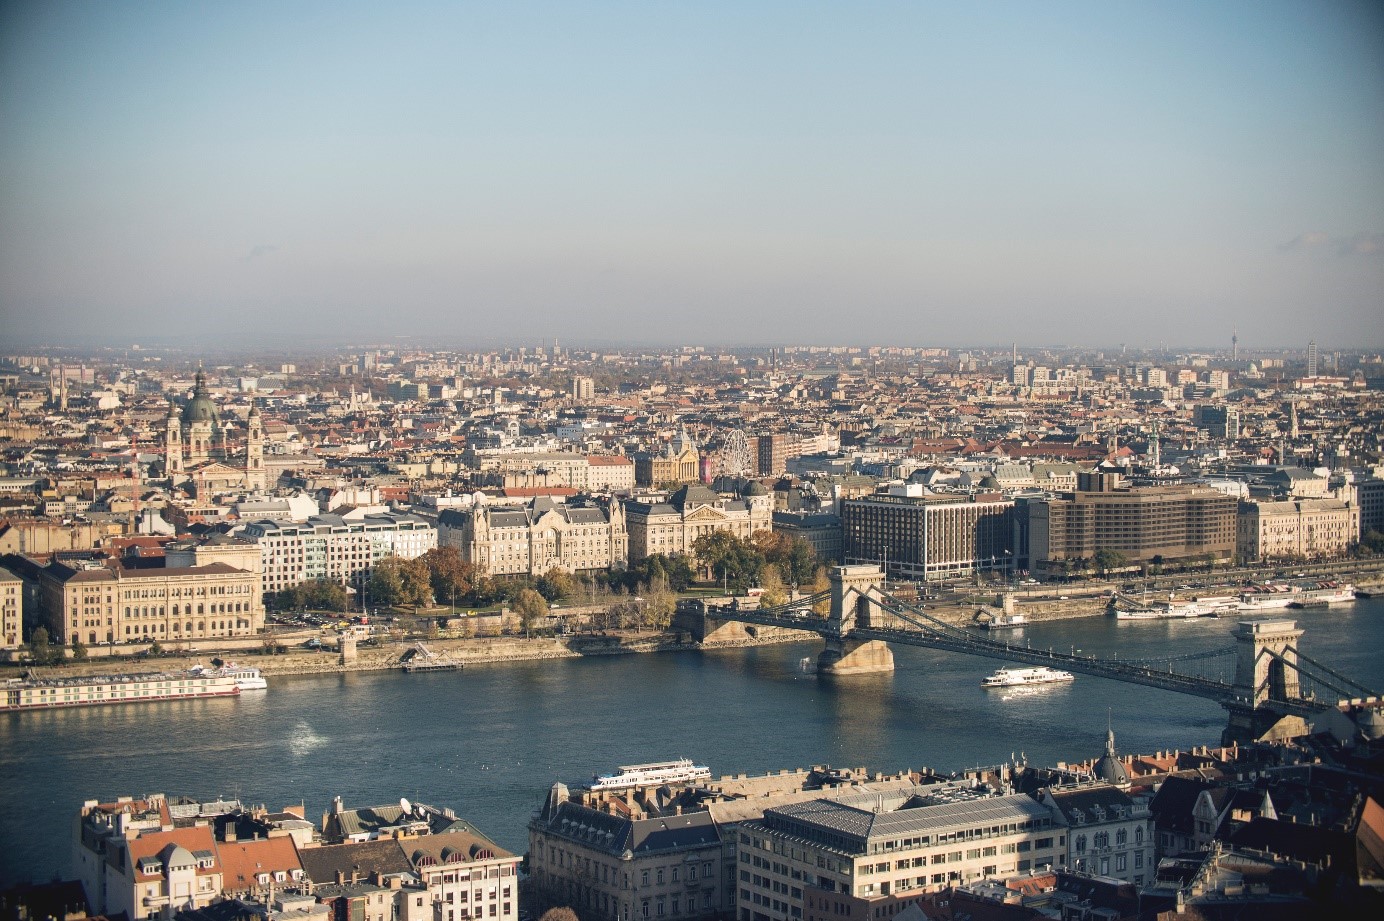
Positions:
(1020, 677)
(658, 772)
(99, 690)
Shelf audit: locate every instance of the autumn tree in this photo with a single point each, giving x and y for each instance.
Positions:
(530, 607)
(775, 592)
(450, 576)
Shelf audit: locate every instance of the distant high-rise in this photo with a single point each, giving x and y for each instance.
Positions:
(1312, 358)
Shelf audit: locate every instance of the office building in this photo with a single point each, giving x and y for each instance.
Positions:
(852, 853)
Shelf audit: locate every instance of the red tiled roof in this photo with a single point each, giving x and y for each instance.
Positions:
(243, 861)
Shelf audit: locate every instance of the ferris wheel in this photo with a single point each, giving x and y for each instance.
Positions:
(735, 455)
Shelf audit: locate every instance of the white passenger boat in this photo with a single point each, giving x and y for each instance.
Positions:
(1020, 677)
(658, 772)
(246, 678)
(1170, 611)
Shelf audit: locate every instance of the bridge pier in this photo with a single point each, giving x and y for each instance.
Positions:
(846, 656)
(1265, 671)
(855, 592)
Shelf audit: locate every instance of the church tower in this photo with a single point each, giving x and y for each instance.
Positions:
(173, 441)
(254, 451)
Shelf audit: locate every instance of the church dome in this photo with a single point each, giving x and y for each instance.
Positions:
(756, 488)
(1109, 768)
(200, 408)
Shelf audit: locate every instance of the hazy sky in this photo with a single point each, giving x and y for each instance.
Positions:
(911, 173)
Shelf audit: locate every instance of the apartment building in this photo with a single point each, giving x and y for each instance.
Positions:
(335, 548)
(918, 536)
(609, 473)
(11, 610)
(616, 862)
(543, 535)
(1108, 833)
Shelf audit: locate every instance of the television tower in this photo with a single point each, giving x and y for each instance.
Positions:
(1235, 345)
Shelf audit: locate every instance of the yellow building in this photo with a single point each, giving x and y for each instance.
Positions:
(679, 463)
(1295, 529)
(104, 602)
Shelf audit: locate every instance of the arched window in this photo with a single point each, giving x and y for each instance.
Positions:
(1138, 836)
(1081, 844)
(1122, 837)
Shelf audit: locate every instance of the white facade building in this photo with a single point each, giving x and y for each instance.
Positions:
(331, 547)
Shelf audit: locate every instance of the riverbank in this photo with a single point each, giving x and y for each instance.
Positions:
(1038, 605)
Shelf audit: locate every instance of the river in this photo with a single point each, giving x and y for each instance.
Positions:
(489, 741)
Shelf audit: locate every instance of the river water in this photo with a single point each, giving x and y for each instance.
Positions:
(489, 741)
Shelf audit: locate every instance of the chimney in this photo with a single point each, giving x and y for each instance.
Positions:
(228, 832)
(341, 877)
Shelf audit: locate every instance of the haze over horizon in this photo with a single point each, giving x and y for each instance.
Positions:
(908, 173)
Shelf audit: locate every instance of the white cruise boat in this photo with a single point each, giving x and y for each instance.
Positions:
(657, 772)
(246, 678)
(1020, 677)
(1170, 611)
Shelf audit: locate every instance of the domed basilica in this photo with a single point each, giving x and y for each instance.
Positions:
(196, 446)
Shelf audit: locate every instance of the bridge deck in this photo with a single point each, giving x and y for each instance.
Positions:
(958, 639)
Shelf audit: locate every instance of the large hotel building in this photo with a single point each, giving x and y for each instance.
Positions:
(928, 537)
(1147, 525)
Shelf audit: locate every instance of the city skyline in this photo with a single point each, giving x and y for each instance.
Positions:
(623, 173)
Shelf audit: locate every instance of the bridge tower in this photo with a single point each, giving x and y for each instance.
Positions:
(855, 594)
(1265, 673)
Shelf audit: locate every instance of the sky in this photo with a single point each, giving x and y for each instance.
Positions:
(741, 173)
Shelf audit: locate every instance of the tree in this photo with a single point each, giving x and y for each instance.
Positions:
(559, 914)
(1373, 541)
(39, 649)
(79, 651)
(397, 581)
(775, 592)
(451, 576)
(820, 583)
(322, 595)
(660, 602)
(794, 556)
(530, 607)
(723, 554)
(1106, 559)
(555, 585)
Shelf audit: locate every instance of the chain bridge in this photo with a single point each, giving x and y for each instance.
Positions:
(1272, 680)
